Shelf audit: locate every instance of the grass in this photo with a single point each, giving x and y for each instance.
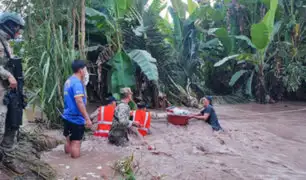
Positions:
(47, 64)
(126, 167)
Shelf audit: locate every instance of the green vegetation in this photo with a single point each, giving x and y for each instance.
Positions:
(233, 49)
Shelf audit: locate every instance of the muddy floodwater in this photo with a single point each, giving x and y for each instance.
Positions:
(260, 142)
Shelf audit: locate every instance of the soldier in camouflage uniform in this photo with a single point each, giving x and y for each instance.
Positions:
(10, 27)
(118, 134)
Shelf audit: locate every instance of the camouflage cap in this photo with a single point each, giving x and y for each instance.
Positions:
(126, 90)
(8, 16)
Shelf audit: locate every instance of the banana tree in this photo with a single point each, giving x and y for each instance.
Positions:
(290, 67)
(262, 35)
(124, 61)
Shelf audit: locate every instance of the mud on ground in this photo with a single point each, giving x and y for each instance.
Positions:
(261, 142)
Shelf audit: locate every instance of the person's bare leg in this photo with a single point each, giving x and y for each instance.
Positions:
(67, 145)
(75, 149)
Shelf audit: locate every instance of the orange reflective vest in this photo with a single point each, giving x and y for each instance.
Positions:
(105, 119)
(144, 119)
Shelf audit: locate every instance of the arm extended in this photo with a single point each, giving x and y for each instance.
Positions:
(202, 117)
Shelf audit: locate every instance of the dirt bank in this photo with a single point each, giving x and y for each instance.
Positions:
(261, 142)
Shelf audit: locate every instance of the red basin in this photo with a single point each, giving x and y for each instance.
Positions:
(178, 119)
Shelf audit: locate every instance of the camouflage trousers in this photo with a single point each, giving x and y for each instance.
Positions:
(7, 144)
(118, 136)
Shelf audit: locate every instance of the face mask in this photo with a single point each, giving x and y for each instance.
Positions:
(86, 78)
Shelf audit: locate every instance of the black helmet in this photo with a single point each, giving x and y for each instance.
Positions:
(9, 21)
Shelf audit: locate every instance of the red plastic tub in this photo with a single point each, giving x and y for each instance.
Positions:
(177, 119)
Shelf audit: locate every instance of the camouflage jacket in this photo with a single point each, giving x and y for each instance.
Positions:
(4, 73)
(120, 125)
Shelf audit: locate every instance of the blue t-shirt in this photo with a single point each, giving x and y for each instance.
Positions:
(73, 88)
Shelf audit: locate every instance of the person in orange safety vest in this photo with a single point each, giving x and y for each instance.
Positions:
(143, 117)
(104, 117)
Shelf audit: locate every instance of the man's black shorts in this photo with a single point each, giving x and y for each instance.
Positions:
(74, 131)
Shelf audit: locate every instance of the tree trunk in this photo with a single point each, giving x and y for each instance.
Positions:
(155, 93)
(73, 25)
(260, 89)
(82, 42)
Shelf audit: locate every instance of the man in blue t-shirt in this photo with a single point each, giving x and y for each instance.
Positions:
(208, 114)
(75, 115)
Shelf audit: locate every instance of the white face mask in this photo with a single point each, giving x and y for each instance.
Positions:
(86, 78)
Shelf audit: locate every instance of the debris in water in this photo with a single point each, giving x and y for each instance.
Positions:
(99, 167)
(151, 148)
(159, 153)
(157, 177)
(201, 148)
(126, 167)
(221, 141)
(96, 176)
(67, 167)
(90, 174)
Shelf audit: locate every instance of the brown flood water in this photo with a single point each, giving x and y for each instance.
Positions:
(261, 142)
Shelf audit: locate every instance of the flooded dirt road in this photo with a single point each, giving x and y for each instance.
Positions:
(261, 142)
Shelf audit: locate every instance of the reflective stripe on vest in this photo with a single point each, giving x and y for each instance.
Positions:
(145, 122)
(102, 113)
(105, 122)
(102, 131)
(102, 117)
(134, 116)
(144, 129)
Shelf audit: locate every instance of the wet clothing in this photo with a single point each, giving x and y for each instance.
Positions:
(7, 145)
(118, 134)
(75, 132)
(73, 88)
(212, 119)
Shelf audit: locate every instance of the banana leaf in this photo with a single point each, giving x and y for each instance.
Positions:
(260, 35)
(122, 72)
(236, 77)
(146, 63)
(98, 19)
(178, 30)
(268, 20)
(245, 38)
(224, 60)
(192, 6)
(262, 32)
(248, 89)
(180, 7)
(222, 35)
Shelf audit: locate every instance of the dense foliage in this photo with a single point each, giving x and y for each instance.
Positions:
(235, 48)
